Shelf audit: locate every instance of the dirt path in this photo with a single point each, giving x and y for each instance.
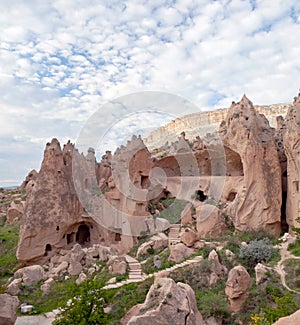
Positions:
(279, 268)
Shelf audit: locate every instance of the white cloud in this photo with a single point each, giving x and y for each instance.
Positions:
(63, 59)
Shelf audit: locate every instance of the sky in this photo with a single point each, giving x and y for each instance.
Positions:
(62, 60)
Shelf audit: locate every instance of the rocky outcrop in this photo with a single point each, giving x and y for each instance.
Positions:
(8, 309)
(292, 151)
(30, 274)
(157, 242)
(167, 303)
(237, 287)
(293, 319)
(249, 135)
(54, 218)
(29, 181)
(179, 252)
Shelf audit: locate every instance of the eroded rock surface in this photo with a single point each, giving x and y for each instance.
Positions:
(167, 303)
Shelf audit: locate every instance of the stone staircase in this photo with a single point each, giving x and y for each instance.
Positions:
(174, 234)
(135, 268)
(143, 277)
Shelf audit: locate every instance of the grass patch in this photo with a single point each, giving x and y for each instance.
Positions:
(9, 235)
(295, 247)
(148, 267)
(173, 209)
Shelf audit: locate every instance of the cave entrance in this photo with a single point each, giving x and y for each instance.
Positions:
(284, 224)
(201, 196)
(83, 235)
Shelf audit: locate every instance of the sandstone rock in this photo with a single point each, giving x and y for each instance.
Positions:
(45, 287)
(187, 214)
(292, 150)
(248, 134)
(293, 319)
(8, 309)
(104, 253)
(179, 252)
(260, 273)
(167, 303)
(29, 181)
(30, 274)
(210, 222)
(14, 212)
(157, 262)
(157, 242)
(189, 237)
(62, 267)
(216, 267)
(82, 277)
(117, 265)
(75, 268)
(237, 287)
(14, 287)
(91, 270)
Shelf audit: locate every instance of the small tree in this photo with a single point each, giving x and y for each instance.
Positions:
(84, 309)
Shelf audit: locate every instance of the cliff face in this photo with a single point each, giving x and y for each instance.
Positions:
(203, 122)
(292, 150)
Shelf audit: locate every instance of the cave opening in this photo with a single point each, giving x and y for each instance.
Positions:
(48, 249)
(201, 196)
(83, 235)
(231, 196)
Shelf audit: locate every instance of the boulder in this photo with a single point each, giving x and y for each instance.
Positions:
(62, 267)
(260, 273)
(45, 287)
(187, 214)
(237, 287)
(8, 309)
(82, 277)
(157, 262)
(157, 242)
(14, 212)
(293, 319)
(14, 287)
(189, 237)
(75, 268)
(104, 252)
(216, 267)
(166, 303)
(179, 252)
(117, 265)
(30, 274)
(210, 221)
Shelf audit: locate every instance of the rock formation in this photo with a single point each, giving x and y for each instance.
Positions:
(167, 303)
(292, 151)
(8, 309)
(249, 135)
(237, 287)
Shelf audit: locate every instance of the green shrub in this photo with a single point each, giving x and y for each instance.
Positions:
(257, 251)
(86, 308)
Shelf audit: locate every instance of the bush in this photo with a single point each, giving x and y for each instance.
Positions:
(257, 251)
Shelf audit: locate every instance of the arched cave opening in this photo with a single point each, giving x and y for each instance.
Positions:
(284, 224)
(201, 196)
(83, 235)
(234, 165)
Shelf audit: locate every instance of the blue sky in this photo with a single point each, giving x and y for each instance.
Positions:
(61, 60)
